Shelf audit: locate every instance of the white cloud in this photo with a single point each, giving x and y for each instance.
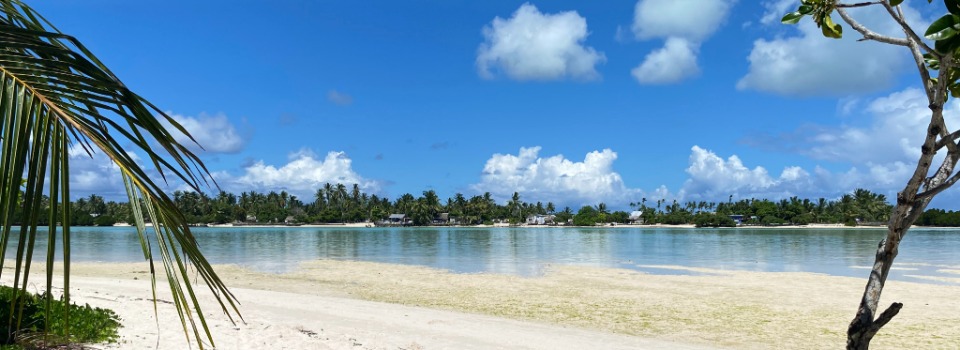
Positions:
(895, 133)
(302, 175)
(556, 178)
(534, 46)
(881, 149)
(891, 130)
(339, 98)
(215, 133)
(677, 60)
(809, 64)
(694, 20)
(685, 24)
(95, 174)
(776, 9)
(713, 178)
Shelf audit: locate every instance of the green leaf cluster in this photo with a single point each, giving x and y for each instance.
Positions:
(713, 220)
(943, 32)
(820, 11)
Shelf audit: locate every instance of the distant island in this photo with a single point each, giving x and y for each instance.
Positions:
(336, 204)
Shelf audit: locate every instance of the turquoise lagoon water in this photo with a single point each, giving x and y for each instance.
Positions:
(527, 251)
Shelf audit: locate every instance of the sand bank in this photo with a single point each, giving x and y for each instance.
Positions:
(359, 305)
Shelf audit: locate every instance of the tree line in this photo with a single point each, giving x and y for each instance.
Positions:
(341, 204)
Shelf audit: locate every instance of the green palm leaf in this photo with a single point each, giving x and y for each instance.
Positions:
(55, 94)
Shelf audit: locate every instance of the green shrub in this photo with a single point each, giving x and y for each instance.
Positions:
(803, 219)
(86, 324)
(713, 220)
(770, 220)
(104, 220)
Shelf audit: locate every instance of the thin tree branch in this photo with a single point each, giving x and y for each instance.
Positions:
(928, 86)
(869, 34)
(897, 15)
(859, 4)
(929, 193)
(930, 141)
(948, 139)
(942, 124)
(884, 318)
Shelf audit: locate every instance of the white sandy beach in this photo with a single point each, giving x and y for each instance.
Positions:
(359, 305)
(279, 320)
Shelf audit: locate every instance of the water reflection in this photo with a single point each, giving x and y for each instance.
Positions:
(526, 251)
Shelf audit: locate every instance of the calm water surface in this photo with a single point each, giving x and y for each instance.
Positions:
(526, 251)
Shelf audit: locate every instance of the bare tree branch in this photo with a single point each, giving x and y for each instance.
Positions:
(928, 86)
(869, 34)
(885, 317)
(951, 146)
(859, 4)
(928, 150)
(897, 15)
(940, 187)
(950, 138)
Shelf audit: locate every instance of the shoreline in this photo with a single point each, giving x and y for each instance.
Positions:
(329, 304)
(524, 226)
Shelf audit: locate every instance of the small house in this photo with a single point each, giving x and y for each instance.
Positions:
(442, 219)
(636, 217)
(397, 219)
(539, 219)
(737, 219)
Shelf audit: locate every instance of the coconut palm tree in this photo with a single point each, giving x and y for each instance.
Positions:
(55, 95)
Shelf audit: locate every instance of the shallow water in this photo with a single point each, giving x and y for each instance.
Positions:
(526, 251)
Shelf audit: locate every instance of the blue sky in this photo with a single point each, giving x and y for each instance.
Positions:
(563, 101)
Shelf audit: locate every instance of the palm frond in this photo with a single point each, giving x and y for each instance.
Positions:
(54, 94)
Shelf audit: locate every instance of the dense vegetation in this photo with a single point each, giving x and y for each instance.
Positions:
(338, 204)
(43, 328)
(939, 217)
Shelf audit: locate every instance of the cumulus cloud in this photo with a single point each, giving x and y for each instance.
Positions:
(95, 174)
(555, 178)
(892, 130)
(691, 19)
(674, 62)
(881, 146)
(709, 177)
(809, 64)
(215, 133)
(685, 24)
(303, 174)
(532, 45)
(714, 178)
(339, 98)
(894, 133)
